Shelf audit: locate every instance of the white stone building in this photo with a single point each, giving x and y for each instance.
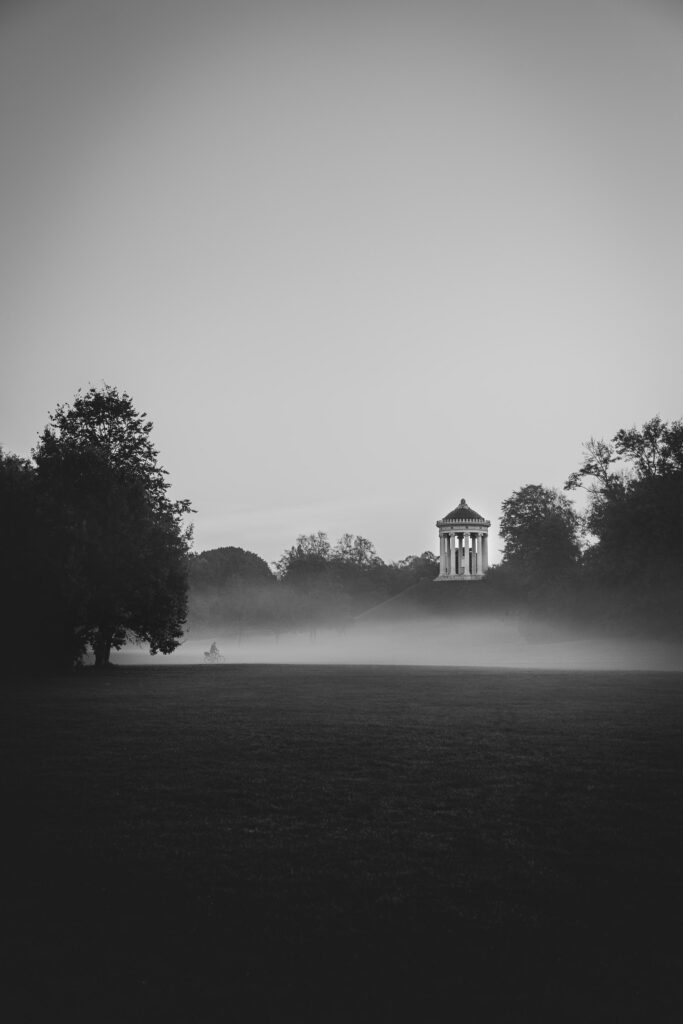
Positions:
(464, 540)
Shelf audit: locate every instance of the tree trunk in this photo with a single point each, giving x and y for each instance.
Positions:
(102, 645)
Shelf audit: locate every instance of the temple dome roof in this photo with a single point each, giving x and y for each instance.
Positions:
(464, 514)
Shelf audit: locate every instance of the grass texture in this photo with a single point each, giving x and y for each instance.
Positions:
(316, 843)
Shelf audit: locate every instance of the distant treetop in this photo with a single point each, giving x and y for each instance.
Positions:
(220, 566)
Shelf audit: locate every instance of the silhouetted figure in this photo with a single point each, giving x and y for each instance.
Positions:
(213, 655)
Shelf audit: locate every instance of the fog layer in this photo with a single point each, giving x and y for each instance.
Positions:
(482, 641)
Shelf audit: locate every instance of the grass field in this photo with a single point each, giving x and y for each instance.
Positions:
(321, 843)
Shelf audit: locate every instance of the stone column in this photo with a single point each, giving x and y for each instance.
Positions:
(454, 556)
(442, 555)
(466, 546)
(475, 553)
(484, 552)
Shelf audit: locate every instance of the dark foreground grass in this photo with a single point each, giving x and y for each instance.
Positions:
(278, 843)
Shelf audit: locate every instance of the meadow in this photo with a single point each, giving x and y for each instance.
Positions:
(330, 843)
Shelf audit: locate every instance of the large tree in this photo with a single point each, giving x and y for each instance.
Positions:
(635, 507)
(120, 547)
(540, 530)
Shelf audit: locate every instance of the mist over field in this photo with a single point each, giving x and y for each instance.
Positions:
(480, 642)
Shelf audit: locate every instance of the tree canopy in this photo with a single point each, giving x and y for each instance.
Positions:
(540, 531)
(219, 567)
(635, 508)
(118, 555)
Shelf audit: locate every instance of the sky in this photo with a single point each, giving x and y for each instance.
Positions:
(356, 260)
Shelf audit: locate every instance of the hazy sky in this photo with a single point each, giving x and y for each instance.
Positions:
(356, 260)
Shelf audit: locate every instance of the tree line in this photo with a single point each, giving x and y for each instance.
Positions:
(95, 553)
(314, 584)
(620, 561)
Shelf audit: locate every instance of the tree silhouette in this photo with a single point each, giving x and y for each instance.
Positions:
(120, 548)
(540, 530)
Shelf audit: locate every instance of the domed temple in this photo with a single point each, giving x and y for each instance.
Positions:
(464, 540)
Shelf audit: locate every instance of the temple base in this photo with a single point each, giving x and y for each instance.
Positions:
(459, 579)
